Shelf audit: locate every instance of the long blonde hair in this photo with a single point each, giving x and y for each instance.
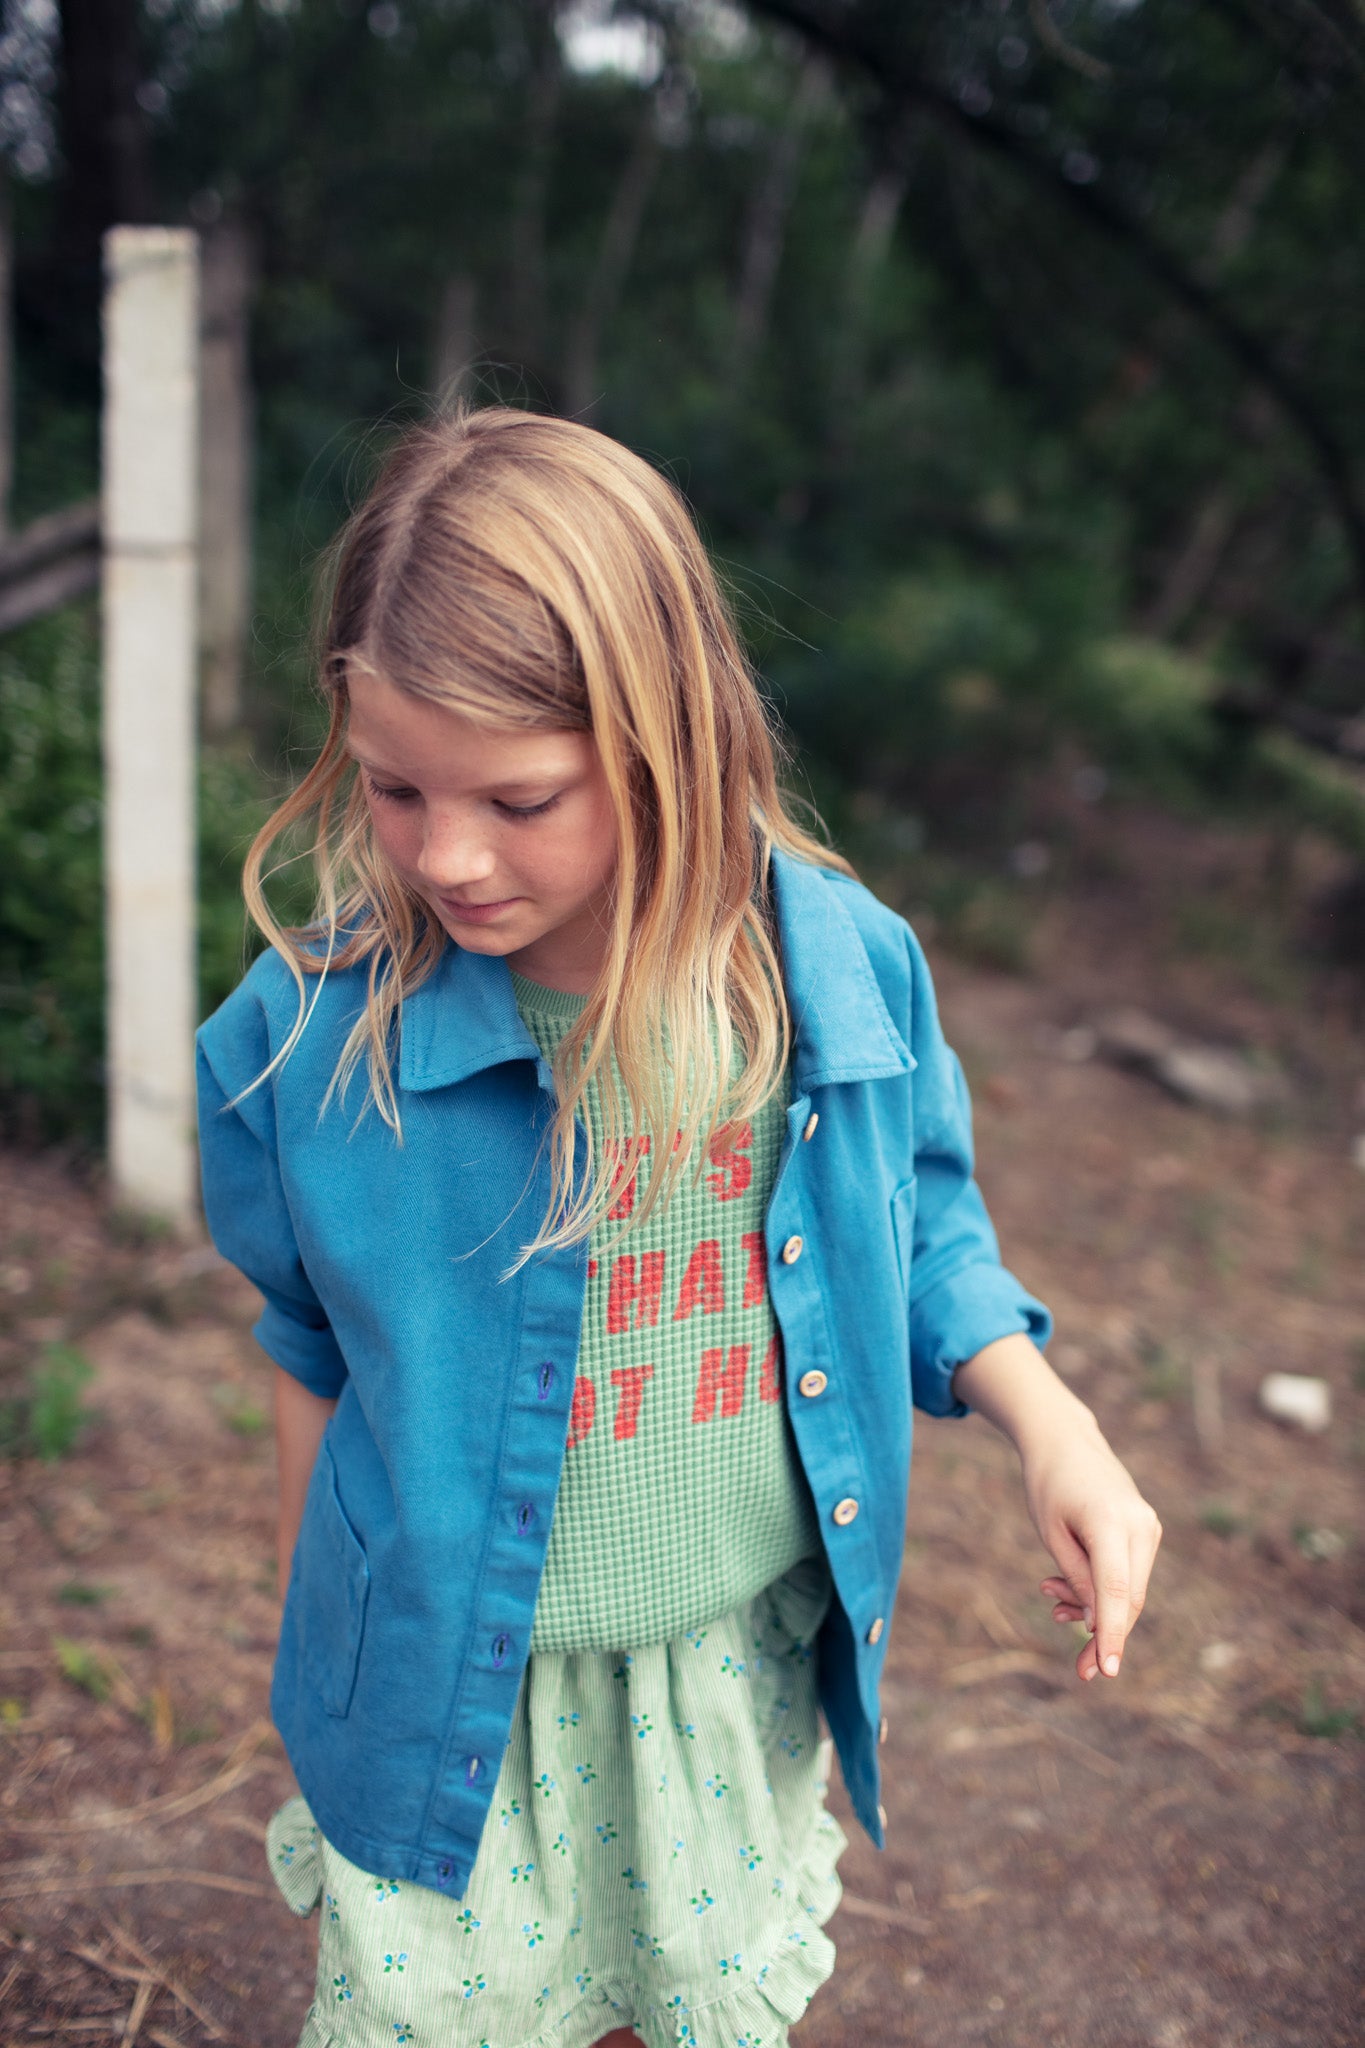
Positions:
(529, 572)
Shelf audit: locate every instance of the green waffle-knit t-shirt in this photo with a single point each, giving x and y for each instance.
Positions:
(681, 1493)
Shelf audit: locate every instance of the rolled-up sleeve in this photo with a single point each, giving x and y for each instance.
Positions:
(961, 1296)
(245, 1204)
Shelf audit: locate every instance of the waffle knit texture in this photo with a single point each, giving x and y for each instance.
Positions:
(682, 1494)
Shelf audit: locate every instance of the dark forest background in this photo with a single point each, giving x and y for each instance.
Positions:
(1008, 350)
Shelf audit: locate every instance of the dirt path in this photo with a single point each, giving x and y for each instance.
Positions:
(1171, 1862)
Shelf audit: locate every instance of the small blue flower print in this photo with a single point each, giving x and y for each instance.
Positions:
(542, 1997)
(763, 1973)
(342, 1988)
(637, 1884)
(569, 1720)
(676, 2006)
(678, 1846)
(466, 1922)
(686, 1729)
(560, 1844)
(286, 1853)
(642, 1725)
(750, 1856)
(696, 1637)
(398, 1962)
(701, 1901)
(474, 1985)
(606, 1832)
(779, 1886)
(790, 1748)
(622, 1671)
(717, 1787)
(331, 1905)
(583, 1979)
(725, 1964)
(545, 1784)
(509, 1813)
(585, 1773)
(796, 1938)
(663, 1781)
(531, 1929)
(385, 1888)
(648, 1941)
(521, 1872)
(402, 2031)
(781, 1707)
(748, 2041)
(733, 1667)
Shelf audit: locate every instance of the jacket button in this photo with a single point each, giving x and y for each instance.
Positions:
(792, 1250)
(874, 1634)
(809, 1131)
(882, 1729)
(845, 1512)
(812, 1383)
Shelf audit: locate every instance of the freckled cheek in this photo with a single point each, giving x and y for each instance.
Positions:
(397, 837)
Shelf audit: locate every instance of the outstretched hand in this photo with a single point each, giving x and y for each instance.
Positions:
(1103, 1537)
(1102, 1534)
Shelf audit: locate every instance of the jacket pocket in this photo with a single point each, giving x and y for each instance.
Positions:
(903, 1223)
(334, 1584)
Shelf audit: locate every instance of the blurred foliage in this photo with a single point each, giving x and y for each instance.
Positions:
(46, 1417)
(1008, 351)
(51, 934)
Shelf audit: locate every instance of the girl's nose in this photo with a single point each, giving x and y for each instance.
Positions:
(454, 855)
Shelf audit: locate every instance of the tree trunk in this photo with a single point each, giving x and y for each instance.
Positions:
(453, 353)
(767, 225)
(526, 284)
(101, 128)
(620, 236)
(6, 352)
(225, 471)
(867, 254)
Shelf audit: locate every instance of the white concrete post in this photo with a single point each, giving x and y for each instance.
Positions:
(150, 432)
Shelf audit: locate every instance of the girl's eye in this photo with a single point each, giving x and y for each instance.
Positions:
(390, 793)
(530, 810)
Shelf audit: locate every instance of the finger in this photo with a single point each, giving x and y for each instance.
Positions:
(1114, 1610)
(1077, 1582)
(1142, 1550)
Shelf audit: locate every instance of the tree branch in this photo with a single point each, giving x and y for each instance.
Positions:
(845, 40)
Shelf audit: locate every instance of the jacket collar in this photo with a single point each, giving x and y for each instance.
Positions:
(464, 1017)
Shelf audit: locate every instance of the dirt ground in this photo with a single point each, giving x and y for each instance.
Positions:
(1172, 1861)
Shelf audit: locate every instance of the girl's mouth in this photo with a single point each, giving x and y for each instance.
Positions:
(476, 913)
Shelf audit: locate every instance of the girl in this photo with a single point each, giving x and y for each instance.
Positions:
(607, 1179)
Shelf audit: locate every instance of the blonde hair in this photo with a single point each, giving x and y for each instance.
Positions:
(529, 572)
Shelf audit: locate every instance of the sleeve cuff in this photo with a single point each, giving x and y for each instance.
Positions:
(311, 1356)
(958, 1318)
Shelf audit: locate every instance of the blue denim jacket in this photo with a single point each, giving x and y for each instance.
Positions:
(409, 1608)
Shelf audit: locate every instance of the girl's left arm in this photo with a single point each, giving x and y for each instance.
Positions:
(1091, 1517)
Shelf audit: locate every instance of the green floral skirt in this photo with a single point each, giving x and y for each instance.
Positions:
(657, 1855)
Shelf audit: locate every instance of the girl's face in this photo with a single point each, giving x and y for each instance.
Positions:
(508, 835)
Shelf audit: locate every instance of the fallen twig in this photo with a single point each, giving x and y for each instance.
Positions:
(118, 1880)
(241, 1764)
(895, 1916)
(1003, 1664)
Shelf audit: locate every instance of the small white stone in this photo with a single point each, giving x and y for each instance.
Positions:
(1297, 1398)
(1215, 1657)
